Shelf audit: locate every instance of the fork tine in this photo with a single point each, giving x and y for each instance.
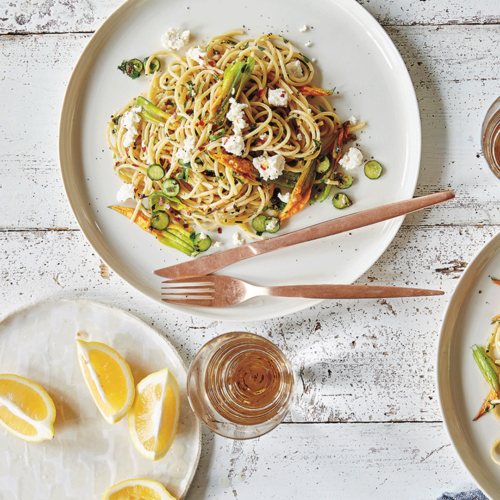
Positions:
(188, 290)
(186, 297)
(173, 284)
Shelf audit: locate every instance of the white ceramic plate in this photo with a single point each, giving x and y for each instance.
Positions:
(462, 388)
(87, 455)
(354, 54)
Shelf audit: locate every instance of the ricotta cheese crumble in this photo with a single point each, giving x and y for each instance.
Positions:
(238, 240)
(234, 144)
(285, 198)
(126, 192)
(278, 97)
(185, 153)
(130, 118)
(294, 69)
(352, 159)
(269, 167)
(175, 38)
(197, 54)
(236, 115)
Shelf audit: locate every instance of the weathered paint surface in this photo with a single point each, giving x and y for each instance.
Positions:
(366, 421)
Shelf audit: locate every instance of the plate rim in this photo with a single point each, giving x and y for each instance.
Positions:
(441, 386)
(152, 331)
(63, 148)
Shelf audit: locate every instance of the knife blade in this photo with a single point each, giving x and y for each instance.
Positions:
(211, 263)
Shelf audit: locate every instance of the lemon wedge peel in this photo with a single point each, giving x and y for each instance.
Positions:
(170, 389)
(12, 413)
(147, 489)
(90, 353)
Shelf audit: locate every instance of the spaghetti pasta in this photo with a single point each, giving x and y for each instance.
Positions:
(177, 124)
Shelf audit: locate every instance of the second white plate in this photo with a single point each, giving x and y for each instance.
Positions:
(462, 388)
(87, 455)
(354, 54)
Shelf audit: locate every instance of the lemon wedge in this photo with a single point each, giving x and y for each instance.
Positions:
(108, 378)
(154, 416)
(26, 410)
(137, 489)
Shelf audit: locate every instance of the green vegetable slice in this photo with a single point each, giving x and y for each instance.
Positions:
(132, 68)
(321, 193)
(155, 172)
(157, 201)
(171, 187)
(341, 200)
(154, 65)
(272, 221)
(160, 220)
(259, 223)
(202, 244)
(373, 169)
(345, 181)
(323, 164)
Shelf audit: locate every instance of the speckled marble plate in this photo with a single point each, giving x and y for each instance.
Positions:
(462, 388)
(354, 54)
(87, 455)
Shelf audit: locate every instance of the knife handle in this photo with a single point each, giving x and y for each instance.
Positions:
(347, 291)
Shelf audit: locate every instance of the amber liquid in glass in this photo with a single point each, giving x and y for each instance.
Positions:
(491, 143)
(247, 381)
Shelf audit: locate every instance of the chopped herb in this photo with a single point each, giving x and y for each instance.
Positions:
(279, 135)
(318, 143)
(286, 40)
(232, 42)
(184, 164)
(192, 235)
(192, 91)
(113, 131)
(253, 126)
(259, 233)
(116, 119)
(322, 109)
(245, 46)
(183, 175)
(306, 60)
(216, 77)
(261, 48)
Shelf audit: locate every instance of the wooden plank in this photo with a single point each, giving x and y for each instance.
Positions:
(356, 361)
(349, 461)
(445, 78)
(78, 16)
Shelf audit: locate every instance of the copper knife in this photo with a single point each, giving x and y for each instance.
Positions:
(211, 263)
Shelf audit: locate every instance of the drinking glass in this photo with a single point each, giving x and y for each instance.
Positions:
(240, 385)
(490, 137)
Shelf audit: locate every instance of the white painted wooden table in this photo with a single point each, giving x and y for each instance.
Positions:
(366, 421)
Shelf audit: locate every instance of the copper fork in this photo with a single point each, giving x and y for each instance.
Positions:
(222, 291)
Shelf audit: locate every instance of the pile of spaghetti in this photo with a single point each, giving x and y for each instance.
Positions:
(207, 145)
